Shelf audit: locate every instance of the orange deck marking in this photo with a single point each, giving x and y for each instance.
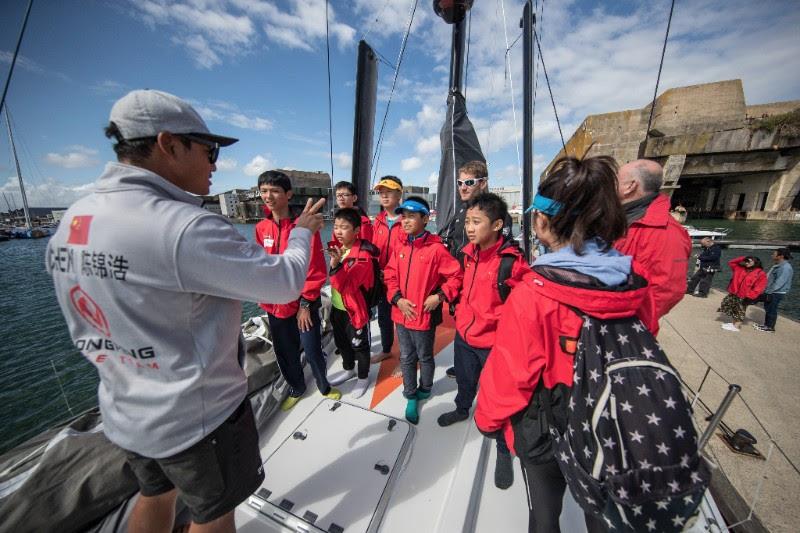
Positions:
(389, 377)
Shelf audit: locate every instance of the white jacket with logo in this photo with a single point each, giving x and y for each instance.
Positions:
(150, 285)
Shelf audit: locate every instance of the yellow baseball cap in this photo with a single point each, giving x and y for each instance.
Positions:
(389, 182)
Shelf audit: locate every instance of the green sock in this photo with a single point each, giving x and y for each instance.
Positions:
(423, 394)
(412, 415)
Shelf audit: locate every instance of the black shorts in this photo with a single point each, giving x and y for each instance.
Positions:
(214, 475)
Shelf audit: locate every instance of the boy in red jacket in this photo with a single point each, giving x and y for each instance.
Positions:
(387, 236)
(353, 267)
(297, 322)
(346, 197)
(420, 275)
(480, 305)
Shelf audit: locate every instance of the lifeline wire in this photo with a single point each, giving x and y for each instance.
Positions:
(549, 89)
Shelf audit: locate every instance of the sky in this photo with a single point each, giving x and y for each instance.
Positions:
(256, 70)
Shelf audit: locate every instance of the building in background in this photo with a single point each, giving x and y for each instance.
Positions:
(512, 196)
(721, 157)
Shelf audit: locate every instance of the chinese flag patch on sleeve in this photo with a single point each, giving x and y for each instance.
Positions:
(79, 229)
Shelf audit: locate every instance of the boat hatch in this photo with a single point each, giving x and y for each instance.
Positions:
(333, 473)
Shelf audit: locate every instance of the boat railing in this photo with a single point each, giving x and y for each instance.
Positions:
(745, 464)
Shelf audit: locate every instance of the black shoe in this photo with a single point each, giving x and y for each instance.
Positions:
(450, 372)
(503, 471)
(452, 417)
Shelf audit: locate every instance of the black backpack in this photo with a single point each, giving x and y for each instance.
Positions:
(629, 447)
(374, 294)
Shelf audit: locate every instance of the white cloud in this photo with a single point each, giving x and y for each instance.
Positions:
(412, 163)
(226, 164)
(433, 179)
(78, 157)
(201, 52)
(108, 87)
(258, 165)
(50, 193)
(343, 160)
(249, 123)
(230, 114)
(428, 145)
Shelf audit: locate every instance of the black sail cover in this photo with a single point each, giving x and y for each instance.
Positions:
(460, 145)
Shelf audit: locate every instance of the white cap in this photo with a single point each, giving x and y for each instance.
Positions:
(146, 113)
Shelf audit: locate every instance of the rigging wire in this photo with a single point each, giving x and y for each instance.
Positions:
(660, 66)
(14, 57)
(511, 88)
(466, 67)
(376, 155)
(550, 90)
(369, 26)
(330, 100)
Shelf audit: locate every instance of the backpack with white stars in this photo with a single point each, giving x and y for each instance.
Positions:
(629, 448)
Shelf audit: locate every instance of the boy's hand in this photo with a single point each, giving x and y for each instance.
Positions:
(431, 302)
(304, 319)
(336, 256)
(407, 308)
(310, 218)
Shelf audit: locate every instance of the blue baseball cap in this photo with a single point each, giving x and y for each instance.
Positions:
(545, 205)
(413, 206)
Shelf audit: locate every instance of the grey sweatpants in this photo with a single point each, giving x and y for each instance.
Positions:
(416, 346)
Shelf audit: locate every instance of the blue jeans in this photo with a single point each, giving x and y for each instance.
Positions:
(771, 308)
(416, 346)
(386, 325)
(287, 339)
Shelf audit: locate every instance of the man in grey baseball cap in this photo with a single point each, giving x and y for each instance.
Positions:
(151, 285)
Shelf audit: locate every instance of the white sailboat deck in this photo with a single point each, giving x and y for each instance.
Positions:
(445, 483)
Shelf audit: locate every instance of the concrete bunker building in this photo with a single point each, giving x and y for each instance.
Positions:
(721, 157)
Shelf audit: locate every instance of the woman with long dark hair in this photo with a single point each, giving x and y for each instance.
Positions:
(746, 286)
(577, 215)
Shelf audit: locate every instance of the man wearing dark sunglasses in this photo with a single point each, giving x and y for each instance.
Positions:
(150, 285)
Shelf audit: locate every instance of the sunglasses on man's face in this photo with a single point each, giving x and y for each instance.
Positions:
(469, 183)
(213, 148)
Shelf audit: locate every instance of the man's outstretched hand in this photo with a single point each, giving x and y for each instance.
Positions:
(311, 218)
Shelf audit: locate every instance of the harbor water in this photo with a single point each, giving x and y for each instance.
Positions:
(45, 380)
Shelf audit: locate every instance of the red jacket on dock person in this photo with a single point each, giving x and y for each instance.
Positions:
(480, 305)
(536, 325)
(433, 269)
(274, 236)
(746, 284)
(387, 240)
(660, 248)
(351, 276)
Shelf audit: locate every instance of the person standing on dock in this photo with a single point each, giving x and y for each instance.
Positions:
(659, 245)
(707, 266)
(150, 285)
(745, 288)
(779, 282)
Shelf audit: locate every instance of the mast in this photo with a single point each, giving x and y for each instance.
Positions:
(16, 53)
(364, 127)
(19, 175)
(457, 56)
(528, 22)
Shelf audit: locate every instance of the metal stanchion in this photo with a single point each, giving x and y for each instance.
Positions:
(733, 390)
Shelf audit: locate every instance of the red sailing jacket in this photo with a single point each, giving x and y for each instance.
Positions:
(746, 283)
(351, 276)
(660, 248)
(365, 231)
(274, 236)
(536, 319)
(480, 304)
(417, 270)
(387, 240)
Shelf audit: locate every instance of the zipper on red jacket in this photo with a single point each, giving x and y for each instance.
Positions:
(408, 270)
(389, 238)
(474, 273)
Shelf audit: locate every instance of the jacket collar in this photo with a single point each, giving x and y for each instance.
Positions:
(657, 214)
(121, 177)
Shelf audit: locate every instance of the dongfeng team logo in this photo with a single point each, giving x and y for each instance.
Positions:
(89, 310)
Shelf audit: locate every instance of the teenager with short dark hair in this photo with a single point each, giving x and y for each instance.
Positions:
(486, 257)
(419, 277)
(353, 267)
(345, 194)
(577, 215)
(296, 323)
